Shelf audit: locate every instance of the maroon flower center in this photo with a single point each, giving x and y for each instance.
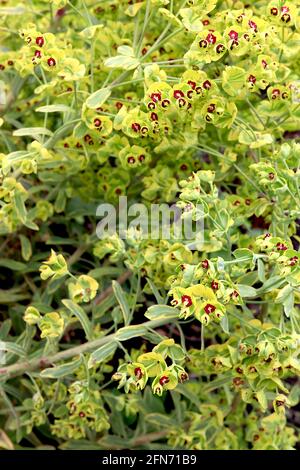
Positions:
(252, 79)
(235, 294)
(209, 308)
(205, 264)
(131, 160)
(192, 84)
(211, 108)
(285, 9)
(281, 246)
(271, 176)
(233, 35)
(252, 25)
(178, 94)
(136, 127)
(51, 62)
(154, 117)
(264, 64)
(183, 167)
(138, 373)
(141, 158)
(275, 93)
(211, 38)
(293, 260)
(37, 54)
(207, 85)
(164, 380)
(274, 11)
(82, 414)
(155, 97)
(97, 122)
(186, 300)
(205, 22)
(119, 105)
(214, 285)
(40, 41)
(181, 102)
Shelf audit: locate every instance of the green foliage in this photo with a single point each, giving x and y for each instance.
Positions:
(149, 343)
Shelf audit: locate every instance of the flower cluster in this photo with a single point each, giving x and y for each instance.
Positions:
(135, 375)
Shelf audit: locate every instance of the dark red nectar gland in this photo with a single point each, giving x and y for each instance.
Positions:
(151, 105)
(138, 373)
(209, 308)
(275, 93)
(97, 122)
(281, 247)
(136, 127)
(220, 48)
(186, 300)
(205, 264)
(178, 94)
(252, 79)
(207, 85)
(51, 62)
(164, 380)
(40, 41)
(234, 294)
(203, 43)
(183, 377)
(293, 260)
(285, 9)
(155, 97)
(233, 35)
(252, 25)
(211, 38)
(165, 103)
(286, 18)
(192, 84)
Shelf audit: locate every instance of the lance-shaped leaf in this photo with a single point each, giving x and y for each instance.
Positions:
(120, 296)
(160, 312)
(102, 353)
(61, 371)
(81, 315)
